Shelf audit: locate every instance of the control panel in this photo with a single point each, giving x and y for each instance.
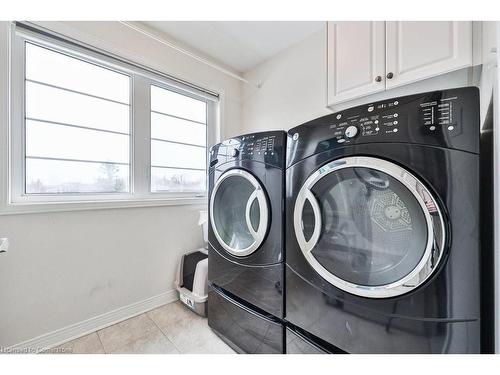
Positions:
(267, 147)
(377, 119)
(251, 145)
(448, 118)
(439, 113)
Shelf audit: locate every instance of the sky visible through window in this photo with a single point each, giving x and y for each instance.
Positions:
(77, 130)
(76, 125)
(178, 142)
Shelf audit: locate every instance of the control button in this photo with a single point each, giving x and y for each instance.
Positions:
(432, 128)
(395, 130)
(396, 115)
(376, 121)
(370, 108)
(396, 102)
(377, 129)
(341, 140)
(234, 152)
(339, 116)
(295, 136)
(351, 131)
(451, 127)
(395, 122)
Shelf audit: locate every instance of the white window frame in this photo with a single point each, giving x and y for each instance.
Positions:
(140, 130)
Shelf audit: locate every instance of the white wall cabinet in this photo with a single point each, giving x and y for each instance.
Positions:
(369, 57)
(418, 50)
(356, 59)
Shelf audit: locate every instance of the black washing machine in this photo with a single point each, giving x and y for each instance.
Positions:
(246, 236)
(382, 210)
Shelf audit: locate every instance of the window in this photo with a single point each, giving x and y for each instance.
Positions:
(77, 125)
(89, 127)
(178, 142)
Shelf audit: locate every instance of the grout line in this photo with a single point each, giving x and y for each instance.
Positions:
(141, 336)
(99, 337)
(162, 332)
(148, 317)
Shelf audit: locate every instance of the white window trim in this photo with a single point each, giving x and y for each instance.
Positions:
(140, 179)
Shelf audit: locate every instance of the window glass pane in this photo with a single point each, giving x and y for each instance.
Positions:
(168, 154)
(58, 69)
(56, 176)
(177, 180)
(174, 129)
(178, 118)
(85, 96)
(48, 103)
(59, 141)
(172, 103)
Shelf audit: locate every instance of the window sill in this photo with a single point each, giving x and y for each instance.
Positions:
(41, 207)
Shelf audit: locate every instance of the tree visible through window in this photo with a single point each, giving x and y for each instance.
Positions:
(91, 127)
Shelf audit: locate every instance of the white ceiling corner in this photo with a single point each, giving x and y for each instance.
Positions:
(240, 45)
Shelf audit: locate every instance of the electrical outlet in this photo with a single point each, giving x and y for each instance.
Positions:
(4, 245)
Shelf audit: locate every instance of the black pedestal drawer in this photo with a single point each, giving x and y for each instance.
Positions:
(301, 342)
(298, 344)
(242, 328)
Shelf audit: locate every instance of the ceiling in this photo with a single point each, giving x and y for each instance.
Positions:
(240, 45)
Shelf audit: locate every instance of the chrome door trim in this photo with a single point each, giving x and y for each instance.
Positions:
(433, 254)
(259, 234)
(303, 196)
(248, 220)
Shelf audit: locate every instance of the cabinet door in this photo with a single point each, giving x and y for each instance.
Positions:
(356, 56)
(419, 50)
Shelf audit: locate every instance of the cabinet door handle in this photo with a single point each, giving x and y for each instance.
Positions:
(378, 79)
(390, 75)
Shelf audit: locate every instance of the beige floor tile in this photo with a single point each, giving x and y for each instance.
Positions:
(180, 330)
(210, 344)
(89, 344)
(189, 332)
(153, 343)
(126, 333)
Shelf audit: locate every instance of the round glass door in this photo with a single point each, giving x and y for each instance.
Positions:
(369, 227)
(239, 212)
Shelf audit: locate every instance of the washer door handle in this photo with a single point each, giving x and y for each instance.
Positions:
(307, 245)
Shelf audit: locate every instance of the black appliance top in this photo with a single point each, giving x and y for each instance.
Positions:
(266, 147)
(448, 119)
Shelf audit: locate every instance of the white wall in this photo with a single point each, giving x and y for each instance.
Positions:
(293, 87)
(67, 267)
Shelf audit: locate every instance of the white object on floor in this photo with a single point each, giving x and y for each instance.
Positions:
(195, 299)
(4, 245)
(203, 221)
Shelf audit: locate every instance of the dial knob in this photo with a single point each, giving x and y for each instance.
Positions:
(351, 131)
(234, 152)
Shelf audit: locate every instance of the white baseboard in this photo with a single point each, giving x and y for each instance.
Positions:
(60, 336)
